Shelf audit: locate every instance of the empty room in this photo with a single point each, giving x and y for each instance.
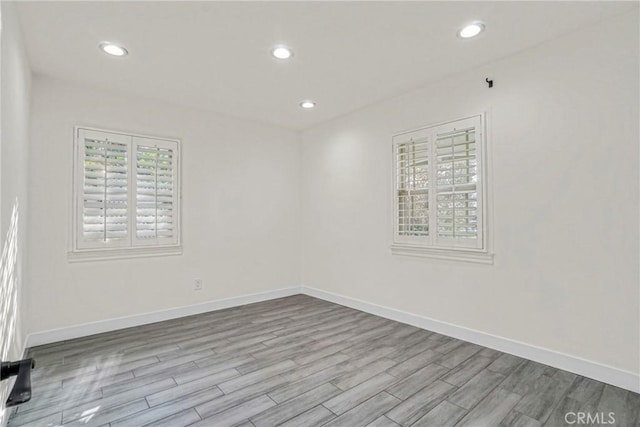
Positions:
(320, 213)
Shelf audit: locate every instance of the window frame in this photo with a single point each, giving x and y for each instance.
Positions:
(431, 246)
(129, 248)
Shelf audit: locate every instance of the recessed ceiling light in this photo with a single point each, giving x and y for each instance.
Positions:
(471, 30)
(282, 52)
(307, 104)
(113, 49)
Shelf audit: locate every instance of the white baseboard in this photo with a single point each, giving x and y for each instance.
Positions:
(86, 329)
(577, 365)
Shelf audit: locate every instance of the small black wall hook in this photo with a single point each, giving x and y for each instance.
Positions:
(489, 82)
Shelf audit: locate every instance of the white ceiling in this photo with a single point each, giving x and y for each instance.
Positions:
(215, 55)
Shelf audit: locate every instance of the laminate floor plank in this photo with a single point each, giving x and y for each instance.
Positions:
(248, 379)
(51, 420)
(459, 355)
(312, 381)
(624, 406)
(525, 378)
(314, 417)
(135, 382)
(476, 389)
(383, 422)
(226, 401)
(360, 393)
(409, 366)
(491, 410)
(199, 372)
(565, 409)
(56, 398)
(365, 412)
(237, 414)
(336, 359)
(180, 419)
(71, 401)
(467, 370)
(505, 364)
(540, 402)
(516, 419)
(285, 411)
(415, 336)
(417, 381)
(444, 415)
(105, 403)
(586, 390)
(354, 378)
(168, 409)
(100, 418)
(183, 389)
(415, 407)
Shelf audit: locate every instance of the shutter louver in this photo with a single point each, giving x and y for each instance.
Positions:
(156, 168)
(105, 191)
(412, 168)
(457, 184)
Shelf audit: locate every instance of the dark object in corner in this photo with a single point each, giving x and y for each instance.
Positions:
(21, 392)
(489, 82)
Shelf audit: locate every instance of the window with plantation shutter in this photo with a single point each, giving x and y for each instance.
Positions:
(126, 195)
(440, 191)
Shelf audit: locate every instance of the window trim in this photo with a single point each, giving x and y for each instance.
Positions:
(409, 247)
(78, 254)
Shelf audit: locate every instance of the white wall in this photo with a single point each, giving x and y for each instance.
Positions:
(563, 148)
(15, 77)
(240, 218)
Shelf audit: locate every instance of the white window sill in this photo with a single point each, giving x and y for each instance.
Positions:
(122, 253)
(466, 255)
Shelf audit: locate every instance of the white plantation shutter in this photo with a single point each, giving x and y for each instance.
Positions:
(103, 205)
(412, 185)
(457, 183)
(126, 191)
(156, 191)
(438, 190)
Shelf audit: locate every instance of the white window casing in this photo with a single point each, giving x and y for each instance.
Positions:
(439, 190)
(126, 195)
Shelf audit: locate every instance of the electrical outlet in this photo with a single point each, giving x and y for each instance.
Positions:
(197, 285)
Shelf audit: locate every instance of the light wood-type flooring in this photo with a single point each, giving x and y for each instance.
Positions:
(301, 361)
